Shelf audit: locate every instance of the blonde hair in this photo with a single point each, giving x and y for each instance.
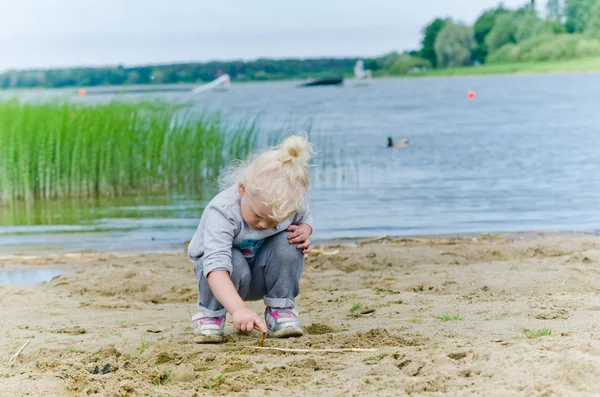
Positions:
(279, 175)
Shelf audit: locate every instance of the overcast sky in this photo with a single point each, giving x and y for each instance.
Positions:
(56, 33)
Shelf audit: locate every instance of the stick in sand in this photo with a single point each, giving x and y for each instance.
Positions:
(13, 359)
(261, 341)
(282, 349)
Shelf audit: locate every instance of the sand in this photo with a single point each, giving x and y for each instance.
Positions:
(118, 325)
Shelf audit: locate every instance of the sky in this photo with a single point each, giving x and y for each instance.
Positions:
(66, 33)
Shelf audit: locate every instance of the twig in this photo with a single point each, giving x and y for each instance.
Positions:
(343, 393)
(282, 349)
(261, 341)
(13, 359)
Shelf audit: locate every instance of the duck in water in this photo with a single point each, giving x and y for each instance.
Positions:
(403, 142)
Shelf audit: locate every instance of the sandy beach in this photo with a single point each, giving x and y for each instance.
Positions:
(483, 315)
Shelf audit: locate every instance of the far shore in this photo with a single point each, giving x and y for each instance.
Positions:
(574, 66)
(585, 65)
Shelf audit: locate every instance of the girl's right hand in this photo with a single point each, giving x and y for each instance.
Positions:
(244, 320)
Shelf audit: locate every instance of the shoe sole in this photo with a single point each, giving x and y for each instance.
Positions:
(287, 332)
(208, 338)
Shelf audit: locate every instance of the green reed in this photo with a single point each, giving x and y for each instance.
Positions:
(61, 149)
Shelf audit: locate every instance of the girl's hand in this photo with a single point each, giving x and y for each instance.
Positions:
(244, 320)
(300, 234)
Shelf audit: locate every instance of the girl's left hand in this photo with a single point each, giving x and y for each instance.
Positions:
(300, 234)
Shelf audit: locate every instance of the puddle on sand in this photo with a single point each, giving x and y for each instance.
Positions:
(23, 278)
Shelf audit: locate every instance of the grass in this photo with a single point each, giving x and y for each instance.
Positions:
(569, 66)
(163, 379)
(54, 154)
(448, 317)
(534, 334)
(355, 307)
(115, 332)
(143, 346)
(64, 150)
(416, 320)
(213, 382)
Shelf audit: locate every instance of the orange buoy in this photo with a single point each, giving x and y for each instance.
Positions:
(471, 94)
(81, 92)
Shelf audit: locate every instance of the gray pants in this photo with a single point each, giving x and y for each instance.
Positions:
(273, 275)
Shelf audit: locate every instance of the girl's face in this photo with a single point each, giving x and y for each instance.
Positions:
(254, 212)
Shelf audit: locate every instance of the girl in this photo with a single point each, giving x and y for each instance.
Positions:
(251, 242)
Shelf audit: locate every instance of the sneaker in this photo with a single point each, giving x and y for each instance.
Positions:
(209, 329)
(282, 323)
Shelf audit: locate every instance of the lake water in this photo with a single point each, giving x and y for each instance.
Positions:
(522, 156)
(27, 277)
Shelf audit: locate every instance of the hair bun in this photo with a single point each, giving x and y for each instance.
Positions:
(296, 149)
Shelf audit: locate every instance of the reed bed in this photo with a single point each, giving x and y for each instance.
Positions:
(62, 149)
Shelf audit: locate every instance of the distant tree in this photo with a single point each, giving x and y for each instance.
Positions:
(502, 33)
(384, 61)
(261, 69)
(454, 44)
(372, 65)
(593, 25)
(557, 27)
(133, 77)
(485, 23)
(430, 34)
(483, 26)
(529, 25)
(407, 63)
(555, 10)
(577, 13)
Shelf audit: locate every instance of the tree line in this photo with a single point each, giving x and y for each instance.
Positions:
(568, 29)
(261, 69)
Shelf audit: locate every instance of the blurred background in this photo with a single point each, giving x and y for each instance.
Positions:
(433, 117)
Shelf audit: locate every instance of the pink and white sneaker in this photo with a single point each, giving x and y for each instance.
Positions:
(208, 329)
(283, 323)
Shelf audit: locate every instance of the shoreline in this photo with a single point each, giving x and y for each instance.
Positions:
(571, 66)
(436, 75)
(511, 314)
(35, 251)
